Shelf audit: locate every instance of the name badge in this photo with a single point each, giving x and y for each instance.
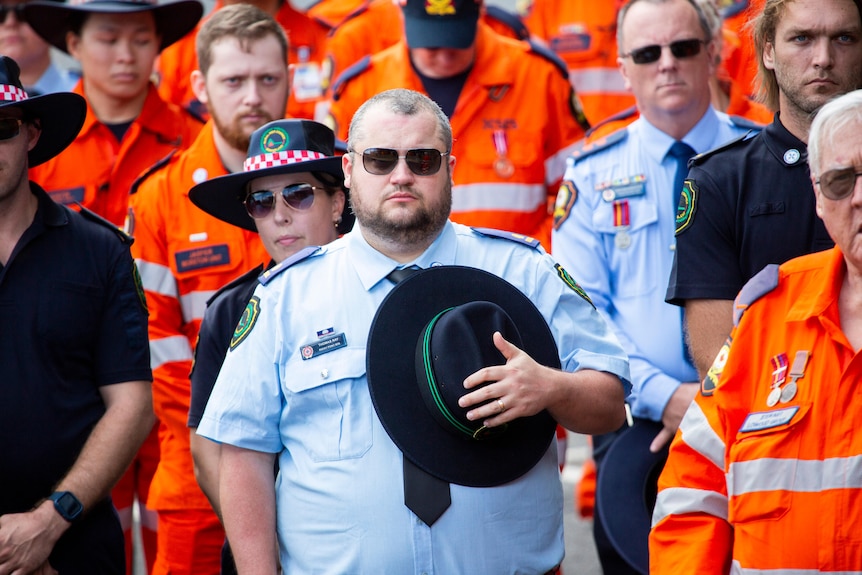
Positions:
(203, 257)
(68, 195)
(768, 419)
(326, 345)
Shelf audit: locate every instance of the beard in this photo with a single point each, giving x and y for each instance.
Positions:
(233, 131)
(418, 227)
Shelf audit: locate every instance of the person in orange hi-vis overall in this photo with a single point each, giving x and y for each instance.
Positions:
(763, 475)
(127, 128)
(305, 54)
(331, 13)
(185, 255)
(514, 114)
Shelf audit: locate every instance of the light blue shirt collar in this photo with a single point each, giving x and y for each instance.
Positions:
(700, 137)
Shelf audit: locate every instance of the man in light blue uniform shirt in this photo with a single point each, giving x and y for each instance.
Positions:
(615, 214)
(294, 383)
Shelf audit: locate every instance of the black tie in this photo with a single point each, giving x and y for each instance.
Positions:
(681, 153)
(425, 495)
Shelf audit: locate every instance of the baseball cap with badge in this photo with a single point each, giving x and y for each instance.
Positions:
(52, 20)
(430, 332)
(440, 23)
(60, 115)
(279, 147)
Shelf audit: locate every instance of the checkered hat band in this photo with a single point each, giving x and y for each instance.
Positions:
(276, 159)
(9, 93)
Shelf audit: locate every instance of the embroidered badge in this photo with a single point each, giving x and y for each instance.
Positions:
(439, 7)
(570, 281)
(713, 375)
(246, 322)
(687, 205)
(139, 286)
(274, 140)
(325, 345)
(202, 257)
(768, 419)
(567, 195)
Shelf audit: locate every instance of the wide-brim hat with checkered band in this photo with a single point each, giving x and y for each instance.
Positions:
(60, 114)
(52, 20)
(279, 147)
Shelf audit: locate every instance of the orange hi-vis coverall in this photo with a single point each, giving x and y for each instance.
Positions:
(765, 473)
(331, 13)
(306, 43)
(98, 171)
(514, 126)
(184, 255)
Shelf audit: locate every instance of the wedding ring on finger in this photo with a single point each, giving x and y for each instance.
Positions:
(501, 405)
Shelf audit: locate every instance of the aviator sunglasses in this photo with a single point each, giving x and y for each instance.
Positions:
(421, 161)
(299, 196)
(9, 128)
(680, 49)
(838, 184)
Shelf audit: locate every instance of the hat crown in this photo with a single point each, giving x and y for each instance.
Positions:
(10, 72)
(283, 142)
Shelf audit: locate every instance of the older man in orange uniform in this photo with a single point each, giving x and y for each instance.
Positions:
(185, 255)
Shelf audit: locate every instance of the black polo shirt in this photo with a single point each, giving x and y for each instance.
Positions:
(73, 320)
(752, 204)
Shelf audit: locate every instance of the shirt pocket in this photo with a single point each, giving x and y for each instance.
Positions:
(328, 410)
(762, 472)
(630, 247)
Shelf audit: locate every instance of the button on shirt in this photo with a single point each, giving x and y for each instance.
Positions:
(618, 242)
(340, 496)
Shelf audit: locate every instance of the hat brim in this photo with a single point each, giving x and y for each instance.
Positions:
(625, 491)
(52, 20)
(222, 197)
(402, 316)
(61, 116)
(457, 33)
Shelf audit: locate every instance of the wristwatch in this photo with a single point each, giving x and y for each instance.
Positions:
(67, 505)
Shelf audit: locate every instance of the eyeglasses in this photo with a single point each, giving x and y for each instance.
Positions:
(18, 9)
(299, 196)
(680, 49)
(838, 184)
(421, 161)
(9, 128)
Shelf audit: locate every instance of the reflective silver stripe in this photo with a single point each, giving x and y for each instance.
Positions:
(700, 436)
(498, 197)
(603, 81)
(682, 500)
(798, 475)
(157, 278)
(194, 304)
(735, 569)
(555, 166)
(167, 349)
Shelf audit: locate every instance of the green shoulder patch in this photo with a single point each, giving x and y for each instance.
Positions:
(710, 382)
(570, 281)
(567, 195)
(687, 205)
(246, 322)
(139, 287)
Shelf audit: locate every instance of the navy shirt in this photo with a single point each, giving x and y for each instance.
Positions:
(750, 204)
(72, 319)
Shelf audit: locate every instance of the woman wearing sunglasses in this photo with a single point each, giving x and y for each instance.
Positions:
(291, 190)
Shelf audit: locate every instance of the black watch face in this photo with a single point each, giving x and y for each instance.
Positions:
(69, 505)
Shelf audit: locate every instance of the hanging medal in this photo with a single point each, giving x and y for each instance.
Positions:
(796, 372)
(622, 221)
(502, 165)
(779, 374)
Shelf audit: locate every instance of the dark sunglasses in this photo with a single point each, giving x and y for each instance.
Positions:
(18, 9)
(9, 128)
(422, 161)
(299, 196)
(838, 184)
(680, 49)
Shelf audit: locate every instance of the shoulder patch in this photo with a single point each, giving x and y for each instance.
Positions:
(139, 287)
(700, 158)
(509, 19)
(272, 272)
(511, 236)
(761, 284)
(348, 74)
(687, 206)
(587, 149)
(618, 117)
(742, 122)
(96, 218)
(570, 281)
(247, 277)
(246, 322)
(567, 195)
(151, 170)
(710, 382)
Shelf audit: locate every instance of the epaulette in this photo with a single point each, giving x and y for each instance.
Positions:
(699, 158)
(550, 56)
(589, 148)
(619, 116)
(734, 8)
(761, 284)
(272, 272)
(96, 218)
(243, 279)
(508, 19)
(150, 171)
(743, 122)
(350, 16)
(348, 74)
(511, 236)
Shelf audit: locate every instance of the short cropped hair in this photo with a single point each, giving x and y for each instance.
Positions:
(244, 22)
(701, 18)
(405, 103)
